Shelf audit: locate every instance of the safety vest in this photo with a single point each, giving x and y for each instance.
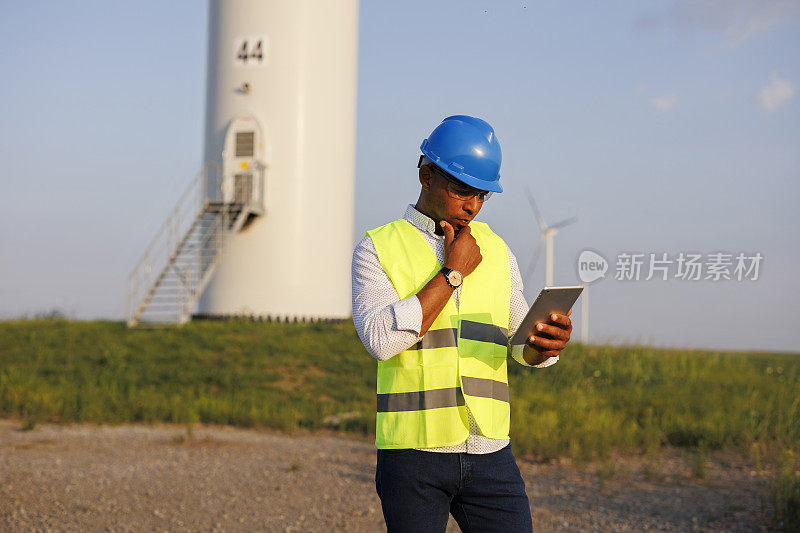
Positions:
(424, 392)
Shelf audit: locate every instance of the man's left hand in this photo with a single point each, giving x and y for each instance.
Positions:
(551, 337)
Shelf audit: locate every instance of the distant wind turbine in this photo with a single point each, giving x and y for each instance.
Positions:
(548, 232)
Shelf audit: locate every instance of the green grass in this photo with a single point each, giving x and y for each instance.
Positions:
(282, 376)
(782, 490)
(785, 491)
(596, 400)
(601, 398)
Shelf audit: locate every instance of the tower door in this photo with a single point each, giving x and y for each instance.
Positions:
(242, 162)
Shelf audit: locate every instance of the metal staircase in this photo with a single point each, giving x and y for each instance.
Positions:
(175, 269)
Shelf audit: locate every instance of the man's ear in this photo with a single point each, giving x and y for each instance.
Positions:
(425, 177)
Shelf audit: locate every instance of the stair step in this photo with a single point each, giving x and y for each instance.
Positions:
(160, 312)
(195, 257)
(169, 291)
(175, 287)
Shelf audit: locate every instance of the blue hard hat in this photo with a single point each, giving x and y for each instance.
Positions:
(466, 148)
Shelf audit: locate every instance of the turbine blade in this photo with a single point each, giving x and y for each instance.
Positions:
(531, 201)
(565, 222)
(535, 258)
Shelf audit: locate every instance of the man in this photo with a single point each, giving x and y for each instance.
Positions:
(435, 295)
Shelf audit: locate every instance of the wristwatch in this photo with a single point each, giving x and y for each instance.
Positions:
(453, 277)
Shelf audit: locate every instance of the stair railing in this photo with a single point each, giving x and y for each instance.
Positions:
(204, 197)
(164, 245)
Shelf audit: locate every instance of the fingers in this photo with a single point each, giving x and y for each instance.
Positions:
(562, 321)
(543, 345)
(552, 337)
(465, 231)
(465, 238)
(548, 353)
(449, 232)
(553, 331)
(461, 251)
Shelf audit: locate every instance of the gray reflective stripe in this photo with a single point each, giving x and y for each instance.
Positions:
(485, 388)
(478, 331)
(437, 338)
(419, 401)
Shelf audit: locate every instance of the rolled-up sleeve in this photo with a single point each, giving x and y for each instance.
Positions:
(519, 308)
(386, 324)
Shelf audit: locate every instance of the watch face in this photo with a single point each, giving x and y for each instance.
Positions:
(455, 278)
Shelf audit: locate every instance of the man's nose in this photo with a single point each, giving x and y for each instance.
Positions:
(472, 206)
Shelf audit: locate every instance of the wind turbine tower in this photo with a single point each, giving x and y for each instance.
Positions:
(265, 229)
(546, 236)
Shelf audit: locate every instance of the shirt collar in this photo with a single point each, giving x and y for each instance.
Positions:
(420, 221)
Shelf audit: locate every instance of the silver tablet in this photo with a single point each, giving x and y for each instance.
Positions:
(557, 300)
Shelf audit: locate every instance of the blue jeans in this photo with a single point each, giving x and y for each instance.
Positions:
(483, 492)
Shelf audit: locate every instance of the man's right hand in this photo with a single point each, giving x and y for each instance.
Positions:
(461, 252)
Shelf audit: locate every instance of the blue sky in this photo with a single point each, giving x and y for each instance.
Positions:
(664, 127)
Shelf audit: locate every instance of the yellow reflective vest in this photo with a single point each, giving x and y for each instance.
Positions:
(424, 392)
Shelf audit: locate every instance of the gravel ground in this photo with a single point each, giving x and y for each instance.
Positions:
(153, 478)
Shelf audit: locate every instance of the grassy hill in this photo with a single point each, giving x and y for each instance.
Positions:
(595, 400)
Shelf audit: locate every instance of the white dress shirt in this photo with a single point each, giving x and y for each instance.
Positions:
(388, 325)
